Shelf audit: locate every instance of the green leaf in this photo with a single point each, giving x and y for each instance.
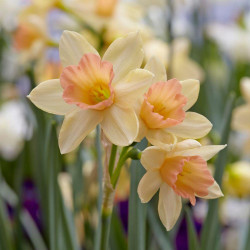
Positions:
(137, 210)
(99, 201)
(32, 231)
(68, 225)
(246, 244)
(117, 235)
(159, 232)
(51, 158)
(5, 228)
(211, 226)
(193, 241)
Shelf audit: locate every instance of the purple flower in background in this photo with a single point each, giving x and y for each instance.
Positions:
(31, 202)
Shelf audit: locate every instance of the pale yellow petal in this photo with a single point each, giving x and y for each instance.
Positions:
(214, 192)
(48, 97)
(186, 144)
(120, 125)
(241, 118)
(76, 126)
(194, 126)
(169, 206)
(149, 185)
(142, 130)
(155, 66)
(161, 138)
(125, 54)
(206, 152)
(153, 157)
(132, 87)
(72, 47)
(190, 89)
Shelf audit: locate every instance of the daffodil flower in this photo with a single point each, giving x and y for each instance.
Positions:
(181, 172)
(94, 91)
(162, 111)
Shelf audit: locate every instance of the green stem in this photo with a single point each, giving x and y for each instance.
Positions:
(109, 185)
(107, 208)
(122, 159)
(112, 159)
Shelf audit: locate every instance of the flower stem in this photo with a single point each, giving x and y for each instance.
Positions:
(112, 159)
(110, 179)
(107, 207)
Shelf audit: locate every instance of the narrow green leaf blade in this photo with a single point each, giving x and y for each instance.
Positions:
(160, 233)
(193, 241)
(5, 228)
(32, 231)
(137, 210)
(211, 226)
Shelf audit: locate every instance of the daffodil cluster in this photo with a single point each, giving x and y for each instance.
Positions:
(130, 103)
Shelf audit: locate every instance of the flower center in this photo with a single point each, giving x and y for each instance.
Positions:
(88, 85)
(163, 105)
(188, 176)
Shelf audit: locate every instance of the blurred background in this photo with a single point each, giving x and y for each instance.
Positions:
(52, 201)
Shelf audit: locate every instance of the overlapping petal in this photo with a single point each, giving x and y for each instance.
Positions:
(76, 126)
(206, 152)
(132, 87)
(125, 54)
(149, 185)
(214, 192)
(155, 66)
(161, 138)
(120, 125)
(194, 126)
(190, 89)
(169, 206)
(72, 47)
(152, 158)
(48, 96)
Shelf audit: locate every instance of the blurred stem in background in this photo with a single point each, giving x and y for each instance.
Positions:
(170, 36)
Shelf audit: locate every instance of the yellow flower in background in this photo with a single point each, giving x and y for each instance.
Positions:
(237, 179)
(47, 69)
(162, 112)
(181, 172)
(182, 66)
(94, 91)
(31, 35)
(116, 18)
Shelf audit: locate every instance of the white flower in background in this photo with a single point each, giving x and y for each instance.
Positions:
(8, 13)
(231, 39)
(14, 129)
